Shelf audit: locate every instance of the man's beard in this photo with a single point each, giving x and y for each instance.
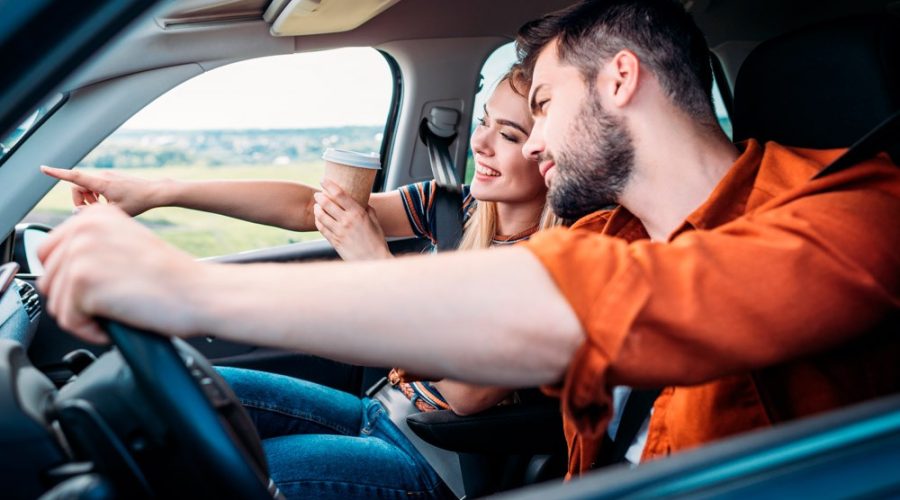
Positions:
(593, 167)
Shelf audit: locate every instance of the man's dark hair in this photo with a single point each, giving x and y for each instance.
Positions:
(659, 32)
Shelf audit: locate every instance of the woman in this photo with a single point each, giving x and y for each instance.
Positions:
(321, 442)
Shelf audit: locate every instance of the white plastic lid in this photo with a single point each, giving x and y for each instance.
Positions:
(352, 158)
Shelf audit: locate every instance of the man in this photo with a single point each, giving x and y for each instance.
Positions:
(752, 293)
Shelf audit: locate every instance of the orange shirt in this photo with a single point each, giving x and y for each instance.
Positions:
(775, 299)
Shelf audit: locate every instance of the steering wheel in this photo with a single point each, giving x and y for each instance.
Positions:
(201, 411)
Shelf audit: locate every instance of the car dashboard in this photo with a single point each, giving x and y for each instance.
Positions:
(20, 311)
(26, 395)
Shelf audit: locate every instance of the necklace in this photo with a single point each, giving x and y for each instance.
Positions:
(514, 238)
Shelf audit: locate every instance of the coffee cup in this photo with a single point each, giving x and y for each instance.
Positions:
(353, 172)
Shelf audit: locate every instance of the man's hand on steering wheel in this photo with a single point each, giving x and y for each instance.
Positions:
(85, 259)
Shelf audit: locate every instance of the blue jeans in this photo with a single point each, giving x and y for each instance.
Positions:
(325, 443)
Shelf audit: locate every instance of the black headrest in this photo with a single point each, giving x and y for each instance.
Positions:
(821, 87)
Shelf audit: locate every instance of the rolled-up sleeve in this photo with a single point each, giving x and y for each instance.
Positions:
(606, 294)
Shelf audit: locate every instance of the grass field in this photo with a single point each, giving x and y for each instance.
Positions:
(201, 234)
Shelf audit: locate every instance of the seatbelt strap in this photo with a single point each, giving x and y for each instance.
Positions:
(876, 141)
(637, 409)
(445, 463)
(438, 131)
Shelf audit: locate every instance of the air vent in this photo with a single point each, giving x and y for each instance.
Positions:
(30, 299)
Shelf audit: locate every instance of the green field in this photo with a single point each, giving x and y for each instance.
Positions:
(201, 234)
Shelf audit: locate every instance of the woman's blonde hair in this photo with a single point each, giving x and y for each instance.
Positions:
(481, 228)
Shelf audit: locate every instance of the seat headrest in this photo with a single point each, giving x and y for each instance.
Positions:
(824, 86)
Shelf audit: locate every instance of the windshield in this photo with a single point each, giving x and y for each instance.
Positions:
(8, 143)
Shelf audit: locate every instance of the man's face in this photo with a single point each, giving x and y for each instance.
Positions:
(585, 153)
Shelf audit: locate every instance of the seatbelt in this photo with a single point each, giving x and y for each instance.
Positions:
(636, 411)
(876, 141)
(445, 463)
(438, 131)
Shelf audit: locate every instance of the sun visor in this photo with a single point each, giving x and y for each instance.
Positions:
(188, 12)
(311, 17)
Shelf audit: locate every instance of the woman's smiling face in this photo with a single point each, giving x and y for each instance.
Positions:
(502, 173)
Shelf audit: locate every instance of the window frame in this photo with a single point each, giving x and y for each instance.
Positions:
(391, 121)
(63, 98)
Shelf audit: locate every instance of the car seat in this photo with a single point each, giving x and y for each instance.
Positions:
(505, 447)
(824, 86)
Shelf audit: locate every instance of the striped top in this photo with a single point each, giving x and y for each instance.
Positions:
(418, 201)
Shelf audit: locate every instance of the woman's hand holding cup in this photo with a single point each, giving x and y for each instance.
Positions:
(351, 229)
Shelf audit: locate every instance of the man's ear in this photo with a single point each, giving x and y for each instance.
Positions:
(620, 78)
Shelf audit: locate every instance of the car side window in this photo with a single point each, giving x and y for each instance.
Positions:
(721, 110)
(495, 66)
(269, 118)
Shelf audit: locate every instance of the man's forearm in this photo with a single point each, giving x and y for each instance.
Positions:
(490, 317)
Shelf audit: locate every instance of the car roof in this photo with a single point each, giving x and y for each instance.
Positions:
(727, 24)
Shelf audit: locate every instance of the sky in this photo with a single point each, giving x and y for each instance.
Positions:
(320, 89)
